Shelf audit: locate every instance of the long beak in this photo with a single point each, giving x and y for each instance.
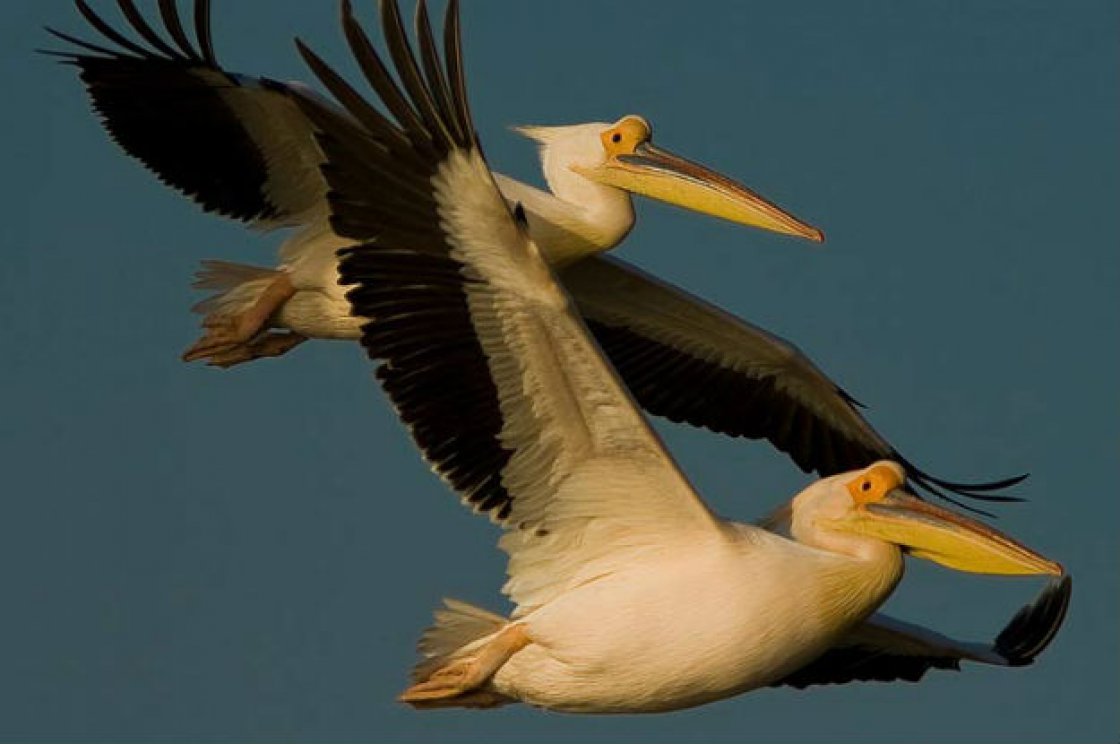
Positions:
(950, 539)
(658, 174)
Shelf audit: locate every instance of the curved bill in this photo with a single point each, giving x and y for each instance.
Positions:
(952, 540)
(661, 175)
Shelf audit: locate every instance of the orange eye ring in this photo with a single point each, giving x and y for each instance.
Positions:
(875, 483)
(625, 136)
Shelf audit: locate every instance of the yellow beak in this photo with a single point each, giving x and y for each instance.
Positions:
(661, 175)
(939, 535)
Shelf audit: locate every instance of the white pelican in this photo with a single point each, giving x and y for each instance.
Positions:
(238, 146)
(630, 594)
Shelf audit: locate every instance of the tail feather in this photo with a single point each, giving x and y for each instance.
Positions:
(458, 629)
(237, 286)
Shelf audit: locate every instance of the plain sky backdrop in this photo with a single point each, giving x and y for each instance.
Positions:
(188, 554)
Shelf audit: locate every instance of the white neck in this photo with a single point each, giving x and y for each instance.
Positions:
(804, 598)
(856, 573)
(578, 219)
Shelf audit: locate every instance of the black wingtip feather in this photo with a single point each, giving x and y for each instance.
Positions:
(203, 33)
(74, 56)
(433, 72)
(983, 486)
(849, 398)
(410, 76)
(1035, 626)
(169, 14)
(453, 56)
(141, 26)
(934, 490)
(980, 491)
(164, 105)
(109, 32)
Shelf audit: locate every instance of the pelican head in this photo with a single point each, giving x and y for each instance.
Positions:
(622, 156)
(859, 509)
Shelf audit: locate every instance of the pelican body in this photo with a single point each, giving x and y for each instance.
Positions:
(724, 609)
(728, 612)
(629, 594)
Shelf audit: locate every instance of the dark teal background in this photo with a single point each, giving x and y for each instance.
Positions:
(188, 554)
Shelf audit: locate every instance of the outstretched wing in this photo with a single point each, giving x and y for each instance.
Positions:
(691, 362)
(480, 349)
(235, 144)
(886, 650)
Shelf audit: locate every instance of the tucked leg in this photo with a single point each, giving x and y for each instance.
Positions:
(461, 678)
(478, 699)
(270, 344)
(227, 334)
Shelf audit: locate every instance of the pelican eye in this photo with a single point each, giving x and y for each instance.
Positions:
(875, 483)
(616, 137)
